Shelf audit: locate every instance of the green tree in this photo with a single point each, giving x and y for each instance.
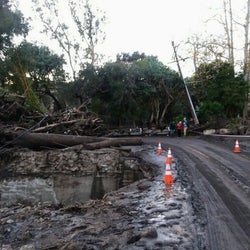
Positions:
(11, 23)
(116, 92)
(33, 71)
(126, 57)
(134, 90)
(164, 88)
(219, 92)
(86, 86)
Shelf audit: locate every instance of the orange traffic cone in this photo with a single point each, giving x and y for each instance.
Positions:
(169, 159)
(168, 178)
(159, 149)
(236, 147)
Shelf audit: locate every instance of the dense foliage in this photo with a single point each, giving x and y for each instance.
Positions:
(218, 92)
(135, 91)
(32, 71)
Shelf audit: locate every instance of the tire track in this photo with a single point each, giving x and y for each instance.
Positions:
(222, 204)
(226, 201)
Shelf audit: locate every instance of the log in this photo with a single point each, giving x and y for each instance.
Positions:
(44, 140)
(114, 142)
(51, 126)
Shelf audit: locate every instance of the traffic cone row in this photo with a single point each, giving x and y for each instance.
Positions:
(237, 147)
(168, 177)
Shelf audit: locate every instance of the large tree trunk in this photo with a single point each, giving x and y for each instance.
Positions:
(228, 27)
(44, 140)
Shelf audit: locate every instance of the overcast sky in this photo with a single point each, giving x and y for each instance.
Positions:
(149, 26)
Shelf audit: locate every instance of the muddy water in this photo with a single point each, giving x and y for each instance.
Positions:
(62, 189)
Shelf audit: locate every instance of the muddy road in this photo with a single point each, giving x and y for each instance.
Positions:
(207, 207)
(221, 179)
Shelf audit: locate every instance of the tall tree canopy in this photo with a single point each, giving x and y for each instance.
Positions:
(231, 45)
(77, 35)
(219, 92)
(32, 71)
(135, 89)
(11, 23)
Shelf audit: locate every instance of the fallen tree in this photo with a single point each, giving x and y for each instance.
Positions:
(74, 126)
(47, 140)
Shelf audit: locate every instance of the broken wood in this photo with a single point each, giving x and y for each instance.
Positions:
(50, 126)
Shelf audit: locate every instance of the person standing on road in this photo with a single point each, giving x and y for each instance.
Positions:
(179, 128)
(185, 126)
(171, 129)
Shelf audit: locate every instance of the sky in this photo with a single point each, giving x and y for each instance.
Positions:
(149, 26)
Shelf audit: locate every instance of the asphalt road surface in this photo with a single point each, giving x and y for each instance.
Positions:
(222, 181)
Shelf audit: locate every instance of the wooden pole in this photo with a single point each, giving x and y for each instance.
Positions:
(196, 121)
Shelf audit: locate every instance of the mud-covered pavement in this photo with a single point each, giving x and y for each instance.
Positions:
(220, 180)
(208, 207)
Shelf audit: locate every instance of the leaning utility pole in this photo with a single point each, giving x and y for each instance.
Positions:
(196, 121)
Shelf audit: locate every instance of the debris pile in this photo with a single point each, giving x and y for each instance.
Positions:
(73, 121)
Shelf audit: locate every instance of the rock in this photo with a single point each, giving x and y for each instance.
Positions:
(150, 233)
(225, 131)
(209, 131)
(28, 247)
(143, 185)
(9, 221)
(7, 247)
(134, 238)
